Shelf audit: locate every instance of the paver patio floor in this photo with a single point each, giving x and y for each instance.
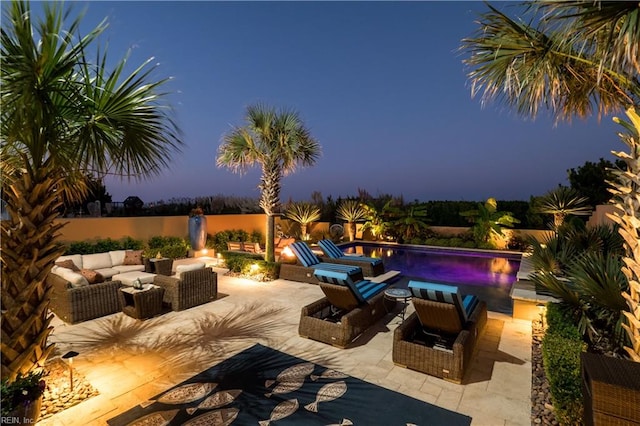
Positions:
(129, 361)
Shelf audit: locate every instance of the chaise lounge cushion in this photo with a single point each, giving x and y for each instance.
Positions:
(445, 293)
(363, 290)
(330, 249)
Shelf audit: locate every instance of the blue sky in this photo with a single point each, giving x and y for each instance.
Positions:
(381, 85)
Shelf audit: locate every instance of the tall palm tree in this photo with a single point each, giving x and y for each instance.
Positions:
(279, 142)
(580, 55)
(63, 116)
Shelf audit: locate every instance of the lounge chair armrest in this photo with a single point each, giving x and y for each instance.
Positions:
(403, 331)
(316, 306)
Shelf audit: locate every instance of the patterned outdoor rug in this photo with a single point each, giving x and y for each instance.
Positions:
(262, 386)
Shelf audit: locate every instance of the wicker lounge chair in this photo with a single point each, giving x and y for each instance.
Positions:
(439, 339)
(191, 289)
(308, 262)
(347, 310)
(371, 266)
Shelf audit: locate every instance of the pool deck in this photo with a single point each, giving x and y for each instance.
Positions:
(124, 360)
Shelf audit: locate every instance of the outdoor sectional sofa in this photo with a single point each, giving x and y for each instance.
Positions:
(74, 299)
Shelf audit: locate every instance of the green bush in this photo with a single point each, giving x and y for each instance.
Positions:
(242, 263)
(160, 241)
(561, 348)
(103, 246)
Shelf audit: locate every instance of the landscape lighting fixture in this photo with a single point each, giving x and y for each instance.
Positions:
(69, 356)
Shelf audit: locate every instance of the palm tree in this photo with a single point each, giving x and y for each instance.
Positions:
(562, 202)
(409, 221)
(63, 116)
(579, 56)
(303, 214)
(279, 142)
(352, 212)
(488, 221)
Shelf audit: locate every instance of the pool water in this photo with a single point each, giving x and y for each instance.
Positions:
(488, 275)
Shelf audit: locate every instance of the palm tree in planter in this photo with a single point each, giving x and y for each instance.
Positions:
(63, 116)
(562, 202)
(579, 56)
(352, 212)
(488, 222)
(279, 142)
(304, 214)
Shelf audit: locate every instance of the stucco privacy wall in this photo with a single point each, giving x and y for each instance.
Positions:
(143, 228)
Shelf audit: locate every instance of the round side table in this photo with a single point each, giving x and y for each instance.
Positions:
(397, 295)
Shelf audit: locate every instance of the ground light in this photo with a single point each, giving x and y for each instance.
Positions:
(542, 308)
(69, 358)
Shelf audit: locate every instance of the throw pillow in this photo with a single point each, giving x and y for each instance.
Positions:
(68, 264)
(132, 257)
(92, 276)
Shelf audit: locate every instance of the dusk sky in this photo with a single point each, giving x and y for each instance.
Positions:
(381, 85)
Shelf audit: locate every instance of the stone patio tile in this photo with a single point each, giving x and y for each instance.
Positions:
(449, 399)
(406, 377)
(430, 388)
(494, 404)
(511, 380)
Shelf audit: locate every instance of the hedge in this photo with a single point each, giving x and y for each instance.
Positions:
(561, 348)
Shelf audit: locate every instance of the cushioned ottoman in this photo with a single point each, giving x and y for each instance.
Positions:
(127, 278)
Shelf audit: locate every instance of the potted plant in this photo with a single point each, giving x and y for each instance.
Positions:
(22, 398)
(197, 228)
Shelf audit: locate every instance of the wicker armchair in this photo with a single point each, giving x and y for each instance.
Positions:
(346, 311)
(439, 339)
(77, 304)
(193, 288)
(320, 321)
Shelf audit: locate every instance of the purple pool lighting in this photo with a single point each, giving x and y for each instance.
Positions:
(488, 275)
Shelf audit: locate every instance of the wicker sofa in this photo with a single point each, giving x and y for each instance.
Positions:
(192, 285)
(347, 310)
(73, 299)
(440, 338)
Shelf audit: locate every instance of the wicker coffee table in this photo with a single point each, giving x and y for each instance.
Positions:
(141, 304)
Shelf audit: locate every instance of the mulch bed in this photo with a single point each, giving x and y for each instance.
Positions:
(58, 395)
(541, 407)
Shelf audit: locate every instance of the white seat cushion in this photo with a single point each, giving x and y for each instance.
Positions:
(127, 278)
(127, 268)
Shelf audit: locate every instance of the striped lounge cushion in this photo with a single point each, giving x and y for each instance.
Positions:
(363, 290)
(304, 254)
(334, 252)
(446, 294)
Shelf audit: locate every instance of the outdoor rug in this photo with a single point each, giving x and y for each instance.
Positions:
(262, 386)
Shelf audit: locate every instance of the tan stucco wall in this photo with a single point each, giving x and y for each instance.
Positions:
(143, 228)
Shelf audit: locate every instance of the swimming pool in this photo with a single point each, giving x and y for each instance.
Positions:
(488, 275)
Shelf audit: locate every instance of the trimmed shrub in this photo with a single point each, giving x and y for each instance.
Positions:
(243, 264)
(561, 348)
(103, 246)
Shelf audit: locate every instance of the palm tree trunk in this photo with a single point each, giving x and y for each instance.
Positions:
(351, 226)
(29, 250)
(270, 203)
